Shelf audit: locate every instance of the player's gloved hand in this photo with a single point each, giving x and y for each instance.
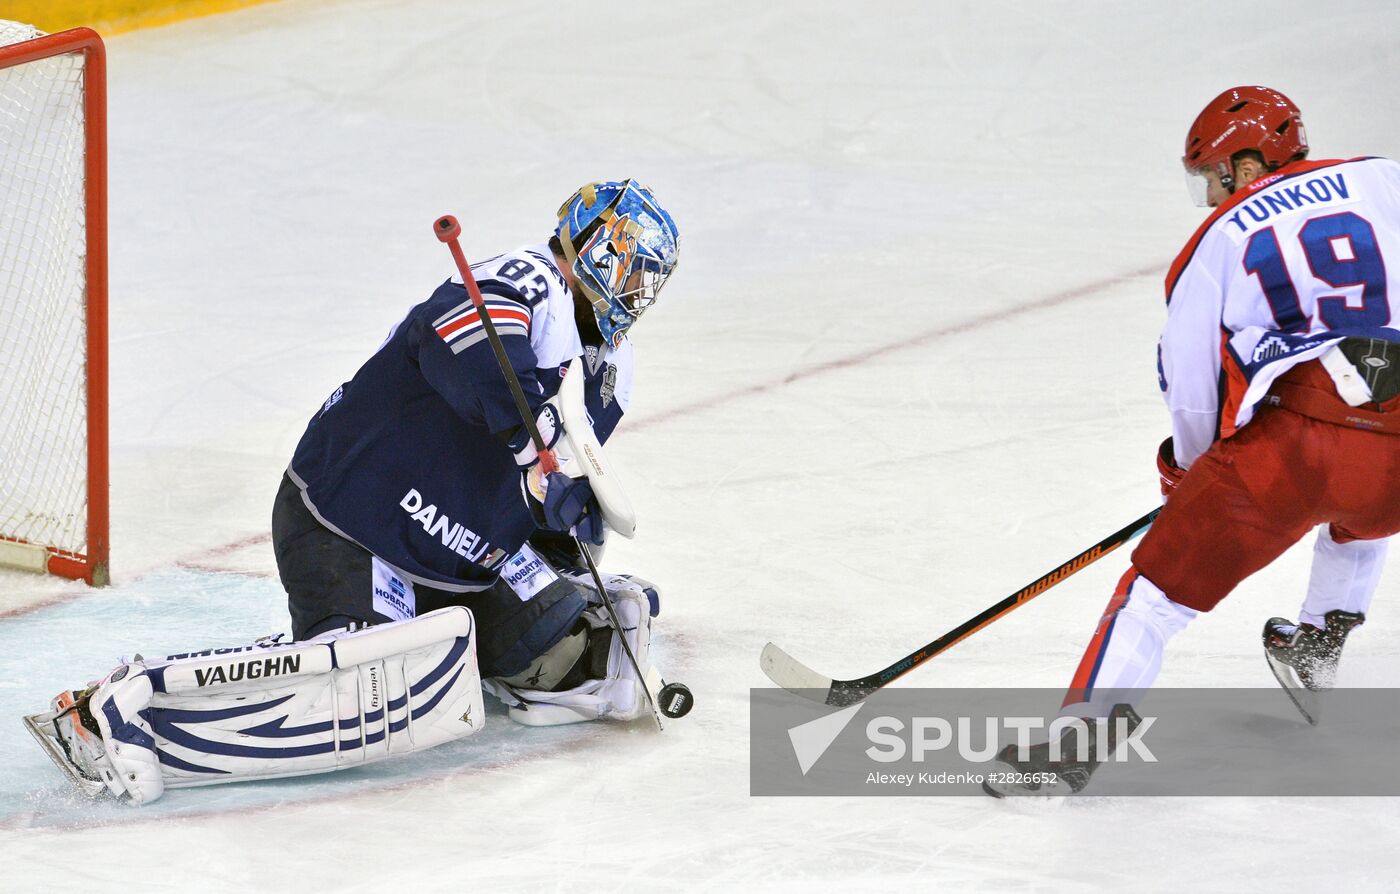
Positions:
(1167, 469)
(564, 504)
(558, 502)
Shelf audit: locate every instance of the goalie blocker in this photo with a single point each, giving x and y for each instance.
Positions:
(269, 710)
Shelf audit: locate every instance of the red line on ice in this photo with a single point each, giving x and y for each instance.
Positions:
(917, 340)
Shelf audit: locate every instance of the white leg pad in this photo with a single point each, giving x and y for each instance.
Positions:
(267, 711)
(618, 695)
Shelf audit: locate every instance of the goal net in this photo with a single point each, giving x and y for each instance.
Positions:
(53, 276)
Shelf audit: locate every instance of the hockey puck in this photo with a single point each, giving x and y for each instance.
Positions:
(675, 700)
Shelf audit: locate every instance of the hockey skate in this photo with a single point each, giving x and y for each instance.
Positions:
(1304, 658)
(69, 736)
(1046, 776)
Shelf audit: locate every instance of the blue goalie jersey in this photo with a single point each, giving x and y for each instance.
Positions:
(409, 458)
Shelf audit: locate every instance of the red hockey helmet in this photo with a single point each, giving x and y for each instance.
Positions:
(1239, 119)
(1246, 118)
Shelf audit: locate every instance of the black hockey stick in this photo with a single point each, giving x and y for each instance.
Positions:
(795, 676)
(448, 229)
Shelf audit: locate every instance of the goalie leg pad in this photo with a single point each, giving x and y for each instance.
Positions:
(273, 710)
(616, 584)
(610, 688)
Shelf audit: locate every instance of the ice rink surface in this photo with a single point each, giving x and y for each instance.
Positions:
(906, 366)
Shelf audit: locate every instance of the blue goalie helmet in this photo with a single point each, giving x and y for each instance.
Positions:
(622, 247)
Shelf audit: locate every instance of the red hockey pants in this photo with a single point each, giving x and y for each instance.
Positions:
(1252, 496)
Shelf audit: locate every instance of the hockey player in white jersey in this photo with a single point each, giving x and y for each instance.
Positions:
(424, 552)
(1280, 365)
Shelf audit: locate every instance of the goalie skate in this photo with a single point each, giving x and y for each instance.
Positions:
(69, 736)
(1304, 658)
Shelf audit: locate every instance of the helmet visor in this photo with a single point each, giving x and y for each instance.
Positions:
(1198, 187)
(1211, 184)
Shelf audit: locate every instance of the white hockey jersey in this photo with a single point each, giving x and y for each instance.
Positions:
(554, 337)
(1289, 265)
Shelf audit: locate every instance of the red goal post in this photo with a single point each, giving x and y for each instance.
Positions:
(54, 514)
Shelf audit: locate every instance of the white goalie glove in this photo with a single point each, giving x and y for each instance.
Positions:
(587, 675)
(269, 710)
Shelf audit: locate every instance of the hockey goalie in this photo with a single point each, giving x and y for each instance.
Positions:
(427, 549)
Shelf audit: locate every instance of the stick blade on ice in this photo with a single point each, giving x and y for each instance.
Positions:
(792, 674)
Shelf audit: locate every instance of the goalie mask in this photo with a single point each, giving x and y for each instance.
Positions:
(622, 246)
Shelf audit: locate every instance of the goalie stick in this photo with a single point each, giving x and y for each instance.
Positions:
(448, 229)
(797, 677)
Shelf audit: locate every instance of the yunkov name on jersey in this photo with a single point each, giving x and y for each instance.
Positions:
(1288, 266)
(406, 458)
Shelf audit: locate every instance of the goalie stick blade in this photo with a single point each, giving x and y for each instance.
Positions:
(39, 726)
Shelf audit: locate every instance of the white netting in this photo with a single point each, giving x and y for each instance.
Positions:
(43, 247)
